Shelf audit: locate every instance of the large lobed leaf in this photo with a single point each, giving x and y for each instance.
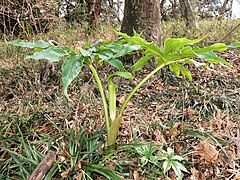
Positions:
(178, 68)
(234, 45)
(213, 58)
(111, 53)
(136, 39)
(70, 69)
(51, 53)
(141, 62)
(175, 44)
(21, 43)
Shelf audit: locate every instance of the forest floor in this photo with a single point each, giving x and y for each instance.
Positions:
(199, 120)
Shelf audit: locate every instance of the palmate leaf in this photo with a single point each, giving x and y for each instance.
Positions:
(119, 50)
(111, 53)
(234, 45)
(185, 52)
(136, 39)
(175, 68)
(21, 43)
(116, 63)
(189, 52)
(141, 62)
(178, 158)
(175, 44)
(144, 150)
(85, 53)
(166, 165)
(219, 47)
(108, 57)
(127, 49)
(178, 168)
(196, 63)
(52, 53)
(113, 47)
(178, 68)
(102, 55)
(122, 49)
(213, 58)
(70, 69)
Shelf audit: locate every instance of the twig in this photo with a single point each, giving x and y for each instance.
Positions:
(44, 166)
(230, 32)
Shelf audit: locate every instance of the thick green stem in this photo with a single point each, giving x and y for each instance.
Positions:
(112, 99)
(113, 131)
(138, 86)
(105, 106)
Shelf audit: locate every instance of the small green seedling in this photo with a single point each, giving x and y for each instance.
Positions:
(162, 159)
(175, 54)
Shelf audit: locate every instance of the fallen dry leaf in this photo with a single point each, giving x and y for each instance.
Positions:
(238, 143)
(158, 136)
(197, 175)
(207, 151)
(66, 172)
(79, 176)
(218, 119)
(237, 177)
(190, 113)
(136, 175)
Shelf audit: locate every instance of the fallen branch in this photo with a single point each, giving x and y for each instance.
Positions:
(44, 166)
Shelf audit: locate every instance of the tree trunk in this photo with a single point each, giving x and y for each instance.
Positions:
(94, 10)
(162, 2)
(223, 8)
(187, 14)
(174, 9)
(142, 16)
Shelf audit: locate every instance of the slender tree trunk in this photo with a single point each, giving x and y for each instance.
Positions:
(174, 9)
(187, 14)
(162, 2)
(94, 9)
(142, 16)
(223, 8)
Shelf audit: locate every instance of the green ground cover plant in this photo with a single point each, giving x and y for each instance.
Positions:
(176, 54)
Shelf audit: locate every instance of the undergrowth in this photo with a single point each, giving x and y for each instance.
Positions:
(171, 113)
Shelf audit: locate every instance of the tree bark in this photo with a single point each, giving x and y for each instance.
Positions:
(174, 9)
(143, 16)
(162, 2)
(187, 14)
(94, 9)
(223, 8)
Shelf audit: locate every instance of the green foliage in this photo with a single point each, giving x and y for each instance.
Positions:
(24, 159)
(70, 69)
(37, 44)
(176, 54)
(164, 160)
(234, 45)
(85, 149)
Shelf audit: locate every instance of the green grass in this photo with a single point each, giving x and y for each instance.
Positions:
(35, 118)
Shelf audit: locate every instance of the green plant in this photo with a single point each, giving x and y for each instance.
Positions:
(176, 54)
(172, 161)
(23, 159)
(162, 159)
(85, 155)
